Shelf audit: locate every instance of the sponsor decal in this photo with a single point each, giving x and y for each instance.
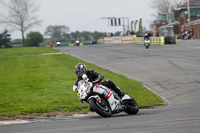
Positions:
(97, 85)
(87, 85)
(109, 94)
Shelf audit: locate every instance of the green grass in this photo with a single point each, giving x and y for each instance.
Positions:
(62, 43)
(35, 83)
(26, 51)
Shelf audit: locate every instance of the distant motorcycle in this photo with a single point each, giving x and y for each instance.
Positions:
(103, 100)
(187, 36)
(147, 43)
(77, 43)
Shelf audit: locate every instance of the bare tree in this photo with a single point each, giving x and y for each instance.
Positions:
(165, 6)
(20, 16)
(57, 31)
(162, 6)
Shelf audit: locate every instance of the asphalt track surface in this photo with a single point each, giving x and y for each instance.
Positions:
(171, 71)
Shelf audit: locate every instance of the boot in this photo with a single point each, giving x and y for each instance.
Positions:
(126, 97)
(119, 92)
(122, 95)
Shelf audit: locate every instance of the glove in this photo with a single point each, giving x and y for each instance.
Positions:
(96, 81)
(99, 79)
(85, 77)
(75, 88)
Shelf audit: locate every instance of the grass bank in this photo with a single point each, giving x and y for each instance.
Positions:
(35, 83)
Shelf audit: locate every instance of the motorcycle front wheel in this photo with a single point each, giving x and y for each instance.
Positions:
(102, 108)
(131, 107)
(147, 46)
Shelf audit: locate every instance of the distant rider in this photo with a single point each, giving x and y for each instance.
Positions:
(146, 37)
(95, 77)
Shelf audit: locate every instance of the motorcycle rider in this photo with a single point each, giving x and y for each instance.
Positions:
(146, 37)
(95, 77)
(77, 43)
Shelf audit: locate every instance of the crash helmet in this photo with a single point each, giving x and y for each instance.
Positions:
(80, 69)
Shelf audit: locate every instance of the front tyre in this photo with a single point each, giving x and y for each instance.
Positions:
(147, 46)
(131, 107)
(102, 108)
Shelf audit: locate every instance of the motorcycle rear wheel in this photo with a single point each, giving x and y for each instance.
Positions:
(131, 107)
(103, 108)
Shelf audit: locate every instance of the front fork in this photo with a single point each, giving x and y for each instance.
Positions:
(96, 97)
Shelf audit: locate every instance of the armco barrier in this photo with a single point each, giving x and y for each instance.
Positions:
(138, 40)
(108, 40)
(119, 40)
(127, 40)
(153, 40)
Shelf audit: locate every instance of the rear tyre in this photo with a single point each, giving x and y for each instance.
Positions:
(131, 107)
(102, 108)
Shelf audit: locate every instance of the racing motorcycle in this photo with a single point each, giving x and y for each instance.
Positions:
(147, 43)
(77, 43)
(103, 100)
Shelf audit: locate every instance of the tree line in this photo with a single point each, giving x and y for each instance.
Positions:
(35, 38)
(61, 33)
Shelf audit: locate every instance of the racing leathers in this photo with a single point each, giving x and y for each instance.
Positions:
(95, 77)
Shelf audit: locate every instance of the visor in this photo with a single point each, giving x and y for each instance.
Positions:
(79, 73)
